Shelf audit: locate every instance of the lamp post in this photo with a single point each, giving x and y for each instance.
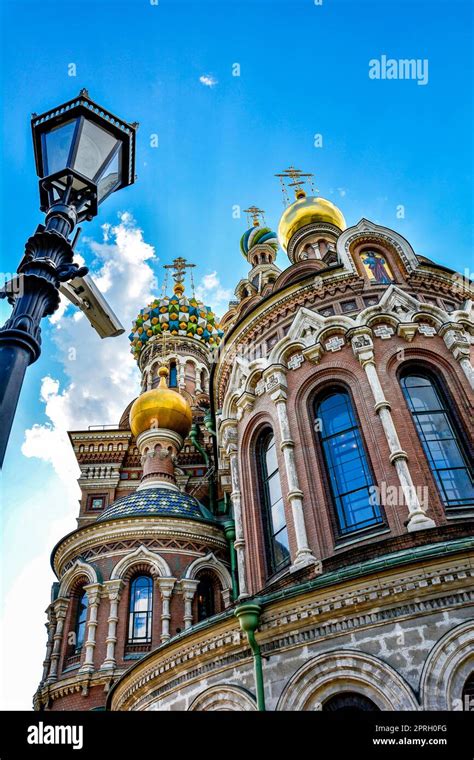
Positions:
(83, 153)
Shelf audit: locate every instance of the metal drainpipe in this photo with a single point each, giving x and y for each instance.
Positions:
(229, 529)
(248, 615)
(193, 437)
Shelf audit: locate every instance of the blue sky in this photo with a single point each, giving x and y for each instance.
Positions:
(303, 71)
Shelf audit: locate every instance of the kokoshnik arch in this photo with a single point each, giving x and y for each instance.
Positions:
(230, 553)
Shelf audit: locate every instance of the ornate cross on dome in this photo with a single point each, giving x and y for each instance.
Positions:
(255, 214)
(298, 179)
(179, 266)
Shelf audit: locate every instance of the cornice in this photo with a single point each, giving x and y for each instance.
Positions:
(82, 539)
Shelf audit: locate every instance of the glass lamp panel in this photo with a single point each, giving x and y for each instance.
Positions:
(110, 178)
(57, 146)
(95, 145)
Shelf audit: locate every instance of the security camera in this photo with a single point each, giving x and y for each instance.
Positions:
(84, 293)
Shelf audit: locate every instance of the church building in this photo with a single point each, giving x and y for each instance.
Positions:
(283, 518)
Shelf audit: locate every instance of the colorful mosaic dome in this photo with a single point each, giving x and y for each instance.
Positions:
(175, 315)
(258, 235)
(156, 501)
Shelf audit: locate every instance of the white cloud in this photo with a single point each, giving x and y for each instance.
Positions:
(342, 191)
(208, 80)
(102, 376)
(212, 293)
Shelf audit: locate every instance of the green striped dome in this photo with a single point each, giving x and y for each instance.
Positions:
(258, 236)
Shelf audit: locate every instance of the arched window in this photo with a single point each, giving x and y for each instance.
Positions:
(81, 619)
(348, 471)
(173, 383)
(101, 446)
(110, 447)
(140, 611)
(205, 598)
(273, 511)
(442, 445)
(81, 448)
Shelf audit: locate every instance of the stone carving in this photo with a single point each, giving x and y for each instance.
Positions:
(334, 344)
(296, 361)
(383, 331)
(427, 330)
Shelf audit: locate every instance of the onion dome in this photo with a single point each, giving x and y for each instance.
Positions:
(307, 210)
(161, 407)
(175, 315)
(257, 236)
(162, 502)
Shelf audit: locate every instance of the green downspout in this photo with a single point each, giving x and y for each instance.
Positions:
(193, 436)
(249, 618)
(229, 529)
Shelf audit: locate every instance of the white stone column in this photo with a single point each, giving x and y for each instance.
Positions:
(166, 588)
(93, 601)
(60, 610)
(188, 587)
(363, 348)
(114, 590)
(304, 556)
(181, 371)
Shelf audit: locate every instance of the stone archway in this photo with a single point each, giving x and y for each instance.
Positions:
(447, 668)
(225, 699)
(331, 673)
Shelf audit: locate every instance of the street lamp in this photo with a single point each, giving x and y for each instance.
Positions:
(83, 153)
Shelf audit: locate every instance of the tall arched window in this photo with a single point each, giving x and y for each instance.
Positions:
(348, 471)
(81, 619)
(173, 382)
(441, 443)
(141, 609)
(273, 511)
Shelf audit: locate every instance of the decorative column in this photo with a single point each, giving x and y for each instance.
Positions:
(229, 433)
(166, 587)
(113, 590)
(363, 349)
(60, 610)
(458, 342)
(50, 627)
(275, 379)
(181, 370)
(93, 601)
(188, 587)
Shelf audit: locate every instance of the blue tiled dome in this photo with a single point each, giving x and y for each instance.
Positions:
(156, 501)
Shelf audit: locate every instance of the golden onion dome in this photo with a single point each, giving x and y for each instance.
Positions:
(307, 210)
(161, 408)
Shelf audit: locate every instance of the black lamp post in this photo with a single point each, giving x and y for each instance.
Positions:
(83, 154)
